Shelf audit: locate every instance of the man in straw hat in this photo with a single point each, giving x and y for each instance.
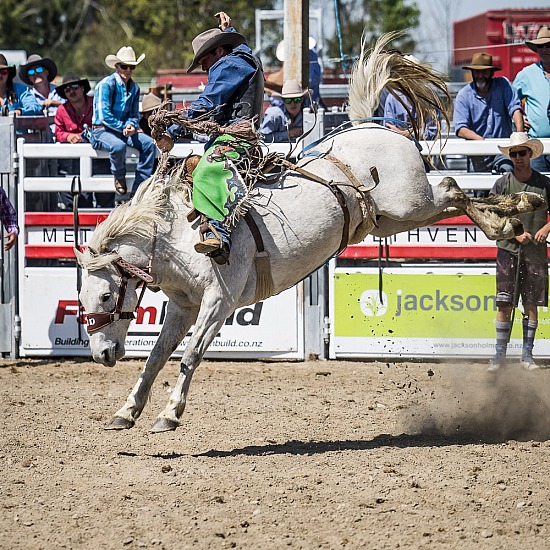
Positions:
(39, 73)
(485, 108)
(116, 119)
(283, 120)
(522, 262)
(533, 86)
(234, 92)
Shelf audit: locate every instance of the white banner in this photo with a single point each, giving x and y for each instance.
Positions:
(50, 323)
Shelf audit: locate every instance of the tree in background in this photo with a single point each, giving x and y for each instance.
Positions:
(374, 17)
(78, 34)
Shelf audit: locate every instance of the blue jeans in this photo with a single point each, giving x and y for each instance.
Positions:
(541, 164)
(223, 232)
(116, 143)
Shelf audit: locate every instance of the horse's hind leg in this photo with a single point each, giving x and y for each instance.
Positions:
(215, 308)
(490, 219)
(176, 324)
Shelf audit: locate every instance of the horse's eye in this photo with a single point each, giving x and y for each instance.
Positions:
(105, 297)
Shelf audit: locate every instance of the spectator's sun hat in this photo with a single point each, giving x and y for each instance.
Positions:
(125, 56)
(481, 61)
(291, 89)
(4, 65)
(210, 40)
(521, 139)
(543, 37)
(150, 102)
(34, 61)
(72, 78)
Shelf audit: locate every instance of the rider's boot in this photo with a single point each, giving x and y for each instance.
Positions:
(216, 242)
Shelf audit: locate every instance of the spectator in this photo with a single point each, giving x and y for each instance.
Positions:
(74, 116)
(283, 120)
(149, 103)
(38, 73)
(9, 220)
(522, 262)
(274, 81)
(73, 122)
(14, 97)
(116, 120)
(533, 87)
(485, 108)
(235, 92)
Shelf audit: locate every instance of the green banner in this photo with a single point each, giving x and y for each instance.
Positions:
(423, 305)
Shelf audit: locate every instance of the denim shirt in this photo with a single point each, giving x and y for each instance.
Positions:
(116, 105)
(225, 77)
(24, 101)
(534, 86)
(394, 109)
(273, 128)
(489, 117)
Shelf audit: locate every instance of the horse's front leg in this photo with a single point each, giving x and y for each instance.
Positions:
(214, 310)
(176, 324)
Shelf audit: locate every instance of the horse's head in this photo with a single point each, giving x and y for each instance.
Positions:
(109, 296)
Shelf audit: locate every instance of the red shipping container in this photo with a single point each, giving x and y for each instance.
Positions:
(501, 33)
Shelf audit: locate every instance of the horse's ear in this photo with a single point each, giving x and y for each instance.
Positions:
(79, 256)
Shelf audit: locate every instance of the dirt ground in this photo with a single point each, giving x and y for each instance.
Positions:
(277, 455)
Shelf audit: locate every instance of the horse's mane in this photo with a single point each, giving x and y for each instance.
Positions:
(377, 69)
(151, 206)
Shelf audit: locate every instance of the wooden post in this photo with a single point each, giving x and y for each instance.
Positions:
(296, 64)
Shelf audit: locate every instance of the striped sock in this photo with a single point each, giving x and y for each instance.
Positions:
(503, 335)
(529, 331)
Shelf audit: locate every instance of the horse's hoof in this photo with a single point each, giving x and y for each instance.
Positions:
(119, 423)
(163, 425)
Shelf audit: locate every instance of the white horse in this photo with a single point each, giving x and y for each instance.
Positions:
(301, 222)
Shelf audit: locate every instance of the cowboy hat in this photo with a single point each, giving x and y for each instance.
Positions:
(36, 60)
(4, 65)
(126, 55)
(482, 61)
(72, 78)
(291, 88)
(543, 37)
(150, 102)
(210, 40)
(521, 139)
(280, 51)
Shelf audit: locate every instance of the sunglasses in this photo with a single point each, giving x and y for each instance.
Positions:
(126, 67)
(289, 100)
(36, 70)
(70, 87)
(4, 71)
(521, 153)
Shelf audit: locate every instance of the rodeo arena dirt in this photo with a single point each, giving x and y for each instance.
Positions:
(277, 455)
(431, 452)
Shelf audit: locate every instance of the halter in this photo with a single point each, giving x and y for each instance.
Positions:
(97, 320)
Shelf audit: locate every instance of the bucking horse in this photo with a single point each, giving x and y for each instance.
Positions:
(363, 179)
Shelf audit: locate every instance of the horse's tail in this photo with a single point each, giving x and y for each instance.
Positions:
(378, 68)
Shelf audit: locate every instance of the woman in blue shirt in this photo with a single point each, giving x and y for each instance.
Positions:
(15, 97)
